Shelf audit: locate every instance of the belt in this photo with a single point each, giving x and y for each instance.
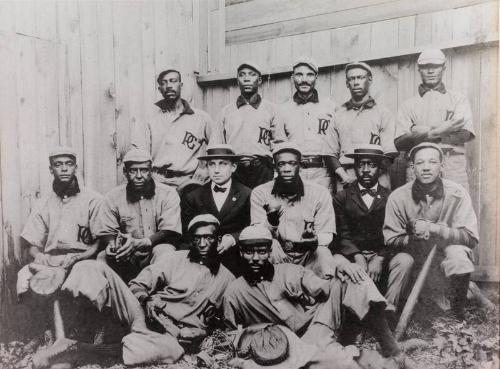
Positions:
(167, 173)
(312, 161)
(451, 152)
(253, 161)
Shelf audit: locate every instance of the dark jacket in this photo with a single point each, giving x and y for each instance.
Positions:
(359, 228)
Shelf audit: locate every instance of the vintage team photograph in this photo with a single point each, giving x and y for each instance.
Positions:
(249, 184)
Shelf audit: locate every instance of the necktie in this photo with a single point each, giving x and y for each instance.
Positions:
(219, 189)
(369, 191)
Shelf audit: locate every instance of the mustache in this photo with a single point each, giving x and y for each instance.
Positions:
(305, 84)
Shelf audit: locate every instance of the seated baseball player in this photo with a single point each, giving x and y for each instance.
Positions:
(433, 211)
(170, 304)
(139, 220)
(299, 214)
(225, 198)
(59, 231)
(297, 298)
(360, 212)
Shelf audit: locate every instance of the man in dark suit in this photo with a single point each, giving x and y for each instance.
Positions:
(225, 198)
(360, 213)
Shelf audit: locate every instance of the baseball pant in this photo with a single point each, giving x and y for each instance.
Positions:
(320, 176)
(100, 285)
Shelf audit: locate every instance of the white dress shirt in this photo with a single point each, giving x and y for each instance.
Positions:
(368, 199)
(220, 197)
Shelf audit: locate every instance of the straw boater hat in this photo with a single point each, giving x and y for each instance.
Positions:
(222, 151)
(368, 151)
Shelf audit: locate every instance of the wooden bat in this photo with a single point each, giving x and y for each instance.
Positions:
(58, 321)
(413, 297)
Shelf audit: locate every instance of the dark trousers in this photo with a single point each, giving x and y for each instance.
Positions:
(255, 172)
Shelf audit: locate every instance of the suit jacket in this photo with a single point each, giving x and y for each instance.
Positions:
(234, 214)
(360, 228)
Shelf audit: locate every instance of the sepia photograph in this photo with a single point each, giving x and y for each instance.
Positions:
(249, 184)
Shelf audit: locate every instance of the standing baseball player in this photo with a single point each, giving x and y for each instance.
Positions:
(437, 115)
(295, 297)
(361, 120)
(60, 231)
(175, 135)
(139, 220)
(309, 123)
(433, 211)
(360, 212)
(225, 198)
(252, 127)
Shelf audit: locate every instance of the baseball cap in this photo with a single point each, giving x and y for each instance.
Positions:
(358, 64)
(305, 60)
(424, 145)
(286, 147)
(255, 235)
(250, 64)
(62, 151)
(203, 219)
(431, 56)
(137, 156)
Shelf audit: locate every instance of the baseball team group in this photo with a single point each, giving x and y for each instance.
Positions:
(276, 224)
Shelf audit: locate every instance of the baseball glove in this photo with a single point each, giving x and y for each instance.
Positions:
(47, 280)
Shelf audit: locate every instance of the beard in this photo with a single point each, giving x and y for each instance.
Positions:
(212, 260)
(252, 277)
(69, 188)
(293, 188)
(147, 191)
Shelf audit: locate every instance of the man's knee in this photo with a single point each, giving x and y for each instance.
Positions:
(161, 250)
(458, 260)
(401, 261)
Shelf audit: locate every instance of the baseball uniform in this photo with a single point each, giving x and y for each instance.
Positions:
(451, 208)
(294, 296)
(58, 227)
(367, 123)
(140, 219)
(429, 109)
(313, 211)
(252, 128)
(310, 125)
(191, 292)
(174, 141)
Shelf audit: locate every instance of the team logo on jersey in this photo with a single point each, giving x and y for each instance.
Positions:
(449, 115)
(84, 235)
(191, 141)
(264, 136)
(375, 139)
(323, 126)
(308, 226)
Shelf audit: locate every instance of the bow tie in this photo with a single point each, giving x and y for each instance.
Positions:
(219, 189)
(368, 191)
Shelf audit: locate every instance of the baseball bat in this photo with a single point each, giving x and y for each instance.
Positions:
(58, 321)
(413, 297)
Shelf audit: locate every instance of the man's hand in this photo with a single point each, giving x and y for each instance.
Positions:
(361, 261)
(447, 128)
(273, 212)
(130, 245)
(69, 261)
(421, 228)
(154, 306)
(226, 242)
(352, 270)
(375, 268)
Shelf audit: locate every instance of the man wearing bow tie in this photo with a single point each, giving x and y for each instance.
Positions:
(225, 198)
(360, 212)
(436, 115)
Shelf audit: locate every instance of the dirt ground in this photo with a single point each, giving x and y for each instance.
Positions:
(471, 344)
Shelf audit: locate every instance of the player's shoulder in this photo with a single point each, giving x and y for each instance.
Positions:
(201, 113)
(236, 286)
(264, 188)
(315, 188)
(164, 189)
(455, 189)
(402, 191)
(116, 192)
(90, 193)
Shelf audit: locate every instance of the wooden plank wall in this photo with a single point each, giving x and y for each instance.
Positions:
(391, 44)
(79, 74)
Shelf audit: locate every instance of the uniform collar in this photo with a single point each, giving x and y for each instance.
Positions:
(313, 97)
(368, 104)
(186, 108)
(266, 274)
(254, 101)
(422, 89)
(420, 191)
(66, 190)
